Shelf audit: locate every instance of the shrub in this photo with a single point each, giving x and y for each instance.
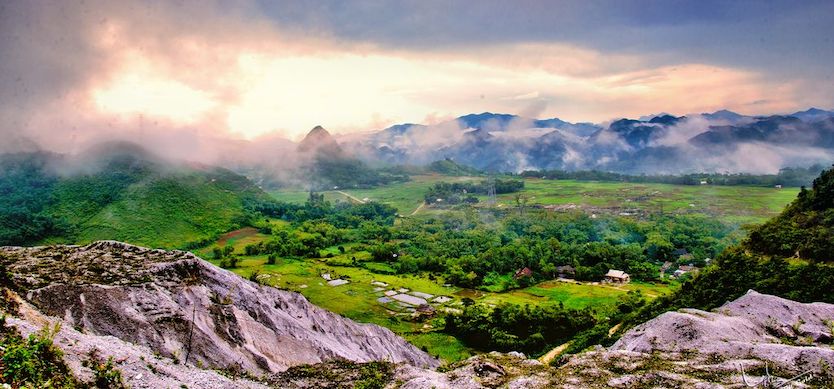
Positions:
(33, 361)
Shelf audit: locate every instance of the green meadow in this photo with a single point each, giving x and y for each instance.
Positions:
(732, 204)
(359, 298)
(740, 204)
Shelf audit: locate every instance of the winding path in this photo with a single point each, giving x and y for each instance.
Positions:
(348, 195)
(423, 204)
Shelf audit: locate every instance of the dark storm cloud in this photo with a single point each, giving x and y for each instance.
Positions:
(781, 37)
(75, 70)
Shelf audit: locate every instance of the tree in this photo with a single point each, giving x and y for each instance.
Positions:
(217, 253)
(658, 247)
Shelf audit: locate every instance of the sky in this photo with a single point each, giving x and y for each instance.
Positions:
(72, 71)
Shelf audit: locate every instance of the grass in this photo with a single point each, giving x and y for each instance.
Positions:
(406, 196)
(732, 204)
(358, 299)
(162, 210)
(571, 295)
(165, 212)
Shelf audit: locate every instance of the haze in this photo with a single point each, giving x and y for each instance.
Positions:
(180, 73)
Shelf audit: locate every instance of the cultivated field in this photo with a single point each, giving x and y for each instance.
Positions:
(359, 299)
(732, 204)
(363, 289)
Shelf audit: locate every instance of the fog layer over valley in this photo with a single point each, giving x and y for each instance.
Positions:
(719, 142)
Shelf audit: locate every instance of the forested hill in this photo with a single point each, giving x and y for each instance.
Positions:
(118, 192)
(791, 256)
(805, 229)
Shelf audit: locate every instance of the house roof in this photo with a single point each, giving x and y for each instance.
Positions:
(525, 272)
(616, 274)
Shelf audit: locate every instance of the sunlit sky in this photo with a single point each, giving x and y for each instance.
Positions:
(247, 69)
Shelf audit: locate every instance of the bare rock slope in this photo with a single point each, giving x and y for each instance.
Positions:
(152, 309)
(755, 340)
(181, 307)
(791, 336)
(139, 366)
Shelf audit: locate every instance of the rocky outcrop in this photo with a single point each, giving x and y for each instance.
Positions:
(755, 340)
(792, 337)
(165, 315)
(186, 309)
(139, 366)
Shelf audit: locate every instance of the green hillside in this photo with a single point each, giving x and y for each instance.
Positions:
(789, 256)
(123, 196)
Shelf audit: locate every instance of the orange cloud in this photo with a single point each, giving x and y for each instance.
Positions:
(227, 73)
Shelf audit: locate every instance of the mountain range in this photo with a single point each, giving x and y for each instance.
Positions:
(721, 141)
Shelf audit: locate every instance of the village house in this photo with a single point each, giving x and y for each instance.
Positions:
(523, 273)
(685, 269)
(617, 277)
(566, 271)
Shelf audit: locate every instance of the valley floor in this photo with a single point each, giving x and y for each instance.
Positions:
(735, 204)
(369, 291)
(368, 295)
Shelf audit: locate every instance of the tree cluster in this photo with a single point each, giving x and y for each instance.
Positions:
(512, 327)
(789, 176)
(463, 192)
(472, 254)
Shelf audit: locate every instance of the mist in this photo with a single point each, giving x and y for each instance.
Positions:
(232, 85)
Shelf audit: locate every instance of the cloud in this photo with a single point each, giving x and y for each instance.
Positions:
(186, 77)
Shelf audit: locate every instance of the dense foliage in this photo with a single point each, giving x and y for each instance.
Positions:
(789, 256)
(316, 208)
(25, 192)
(472, 253)
(511, 327)
(123, 195)
(33, 361)
(458, 192)
(805, 229)
(329, 171)
(787, 176)
(451, 168)
(320, 224)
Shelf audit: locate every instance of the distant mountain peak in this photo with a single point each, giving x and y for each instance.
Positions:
(646, 118)
(665, 119)
(723, 114)
(319, 139)
(815, 110)
(813, 114)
